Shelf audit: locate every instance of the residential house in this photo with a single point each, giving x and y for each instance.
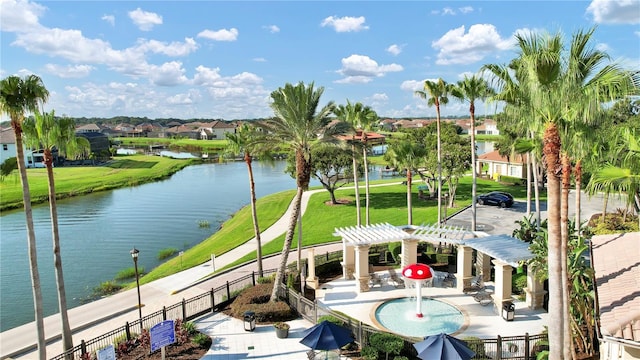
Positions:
(497, 165)
(88, 128)
(8, 149)
(488, 127)
(616, 263)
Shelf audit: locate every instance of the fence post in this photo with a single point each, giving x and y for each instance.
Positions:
(253, 277)
(184, 310)
(499, 348)
(164, 313)
(327, 256)
(526, 346)
(83, 347)
(228, 292)
(213, 300)
(127, 330)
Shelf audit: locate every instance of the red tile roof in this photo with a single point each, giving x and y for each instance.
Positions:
(494, 156)
(616, 261)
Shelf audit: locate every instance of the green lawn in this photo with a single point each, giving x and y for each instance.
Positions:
(71, 181)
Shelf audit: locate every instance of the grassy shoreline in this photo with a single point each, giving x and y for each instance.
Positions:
(120, 172)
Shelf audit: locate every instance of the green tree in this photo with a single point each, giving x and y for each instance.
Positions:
(404, 154)
(436, 93)
(470, 90)
(17, 96)
(299, 125)
(46, 132)
(244, 141)
(330, 165)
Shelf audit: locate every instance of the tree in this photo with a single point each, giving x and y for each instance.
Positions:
(45, 132)
(404, 154)
(17, 96)
(298, 125)
(330, 164)
(436, 93)
(244, 142)
(470, 90)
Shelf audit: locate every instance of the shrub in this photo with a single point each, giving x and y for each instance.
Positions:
(519, 283)
(128, 273)
(107, 288)
(166, 253)
(331, 319)
(266, 279)
(476, 345)
(387, 343)
(202, 340)
(369, 353)
(256, 299)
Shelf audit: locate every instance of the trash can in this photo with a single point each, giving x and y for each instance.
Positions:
(508, 310)
(249, 320)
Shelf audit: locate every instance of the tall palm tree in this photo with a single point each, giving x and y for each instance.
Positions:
(436, 93)
(349, 113)
(45, 132)
(404, 154)
(471, 89)
(362, 118)
(299, 125)
(17, 96)
(244, 142)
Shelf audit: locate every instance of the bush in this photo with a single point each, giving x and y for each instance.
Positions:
(387, 343)
(369, 353)
(395, 248)
(202, 340)
(256, 299)
(476, 345)
(166, 253)
(331, 319)
(267, 279)
(519, 283)
(107, 288)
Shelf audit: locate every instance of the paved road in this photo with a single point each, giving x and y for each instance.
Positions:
(96, 318)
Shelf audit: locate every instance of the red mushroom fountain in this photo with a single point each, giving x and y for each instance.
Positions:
(418, 272)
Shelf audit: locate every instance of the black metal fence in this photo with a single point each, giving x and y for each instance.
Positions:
(512, 347)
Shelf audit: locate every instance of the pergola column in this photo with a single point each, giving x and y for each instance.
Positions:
(348, 261)
(535, 291)
(483, 263)
(463, 277)
(362, 268)
(312, 279)
(502, 284)
(409, 252)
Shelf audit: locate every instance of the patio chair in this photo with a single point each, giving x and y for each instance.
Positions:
(375, 280)
(395, 279)
(449, 281)
(483, 297)
(475, 286)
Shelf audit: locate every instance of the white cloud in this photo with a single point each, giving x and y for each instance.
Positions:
(412, 85)
(20, 16)
(168, 74)
(345, 24)
(456, 47)
(145, 20)
(174, 48)
(272, 28)
(448, 11)
(363, 69)
(395, 49)
(220, 35)
(451, 11)
(259, 59)
(206, 76)
(69, 71)
(615, 11)
(466, 9)
(109, 18)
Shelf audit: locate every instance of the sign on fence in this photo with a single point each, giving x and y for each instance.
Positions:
(162, 334)
(107, 353)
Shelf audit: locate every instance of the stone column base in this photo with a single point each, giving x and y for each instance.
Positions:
(347, 271)
(313, 283)
(363, 284)
(535, 300)
(463, 282)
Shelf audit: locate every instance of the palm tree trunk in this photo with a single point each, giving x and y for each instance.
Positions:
(536, 188)
(439, 165)
(556, 328)
(355, 184)
(67, 339)
(409, 205)
(31, 242)
(474, 176)
(286, 247)
(564, 231)
(604, 205)
(254, 213)
(366, 180)
(528, 183)
(578, 174)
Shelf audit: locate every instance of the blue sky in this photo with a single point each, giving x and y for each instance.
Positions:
(222, 59)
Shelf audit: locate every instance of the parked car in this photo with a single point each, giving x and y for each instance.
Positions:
(499, 198)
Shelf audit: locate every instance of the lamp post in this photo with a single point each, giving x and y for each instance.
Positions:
(134, 255)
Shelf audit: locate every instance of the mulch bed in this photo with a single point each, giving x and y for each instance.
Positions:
(186, 351)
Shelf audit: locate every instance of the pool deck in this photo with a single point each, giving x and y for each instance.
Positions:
(480, 321)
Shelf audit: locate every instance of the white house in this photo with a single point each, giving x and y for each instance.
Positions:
(497, 165)
(8, 149)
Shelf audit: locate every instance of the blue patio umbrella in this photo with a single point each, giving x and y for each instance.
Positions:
(326, 336)
(443, 347)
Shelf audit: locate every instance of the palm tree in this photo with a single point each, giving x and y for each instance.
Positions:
(299, 125)
(17, 96)
(244, 142)
(46, 132)
(362, 118)
(471, 89)
(348, 113)
(436, 93)
(404, 154)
